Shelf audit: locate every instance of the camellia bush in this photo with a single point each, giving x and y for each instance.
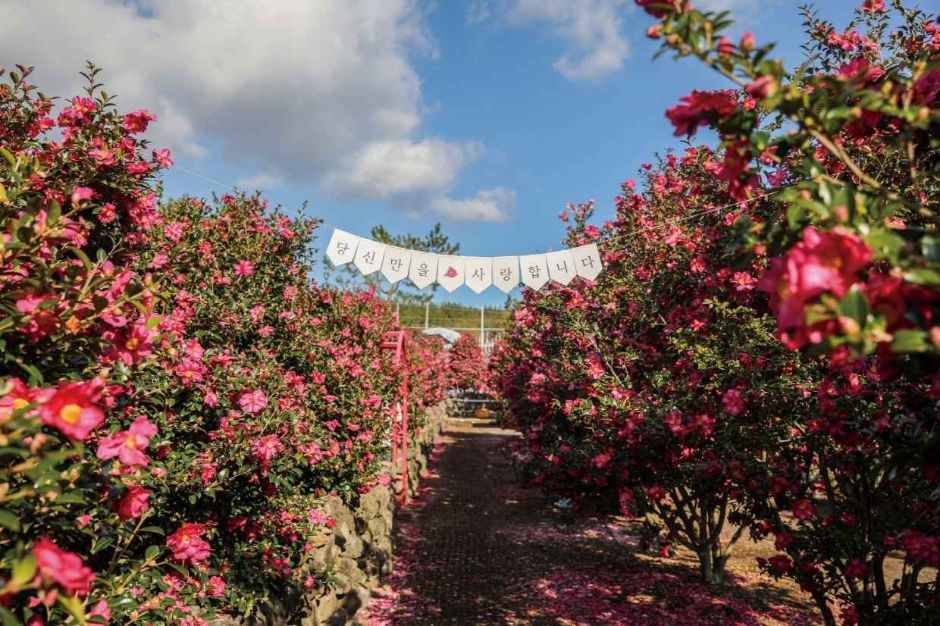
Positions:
(467, 365)
(760, 348)
(177, 393)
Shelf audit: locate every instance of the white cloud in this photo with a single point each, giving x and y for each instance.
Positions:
(263, 180)
(389, 168)
(591, 30)
(489, 205)
(315, 91)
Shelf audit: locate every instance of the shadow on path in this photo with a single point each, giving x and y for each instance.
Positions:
(479, 548)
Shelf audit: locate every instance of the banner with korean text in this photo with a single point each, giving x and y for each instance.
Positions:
(451, 271)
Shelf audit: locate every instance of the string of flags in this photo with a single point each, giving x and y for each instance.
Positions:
(451, 271)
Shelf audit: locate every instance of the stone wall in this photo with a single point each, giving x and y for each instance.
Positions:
(357, 551)
(420, 446)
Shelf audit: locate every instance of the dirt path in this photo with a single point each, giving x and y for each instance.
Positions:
(479, 548)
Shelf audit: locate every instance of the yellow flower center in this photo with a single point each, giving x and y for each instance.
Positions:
(20, 403)
(130, 442)
(70, 413)
(132, 343)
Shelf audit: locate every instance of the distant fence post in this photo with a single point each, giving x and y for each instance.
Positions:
(427, 313)
(482, 327)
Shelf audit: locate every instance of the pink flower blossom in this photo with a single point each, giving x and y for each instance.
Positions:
(244, 268)
(133, 504)
(253, 401)
(66, 569)
(127, 444)
(73, 408)
(187, 543)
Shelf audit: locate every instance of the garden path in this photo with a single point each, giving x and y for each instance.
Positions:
(479, 547)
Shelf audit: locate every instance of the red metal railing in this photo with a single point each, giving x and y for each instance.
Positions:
(395, 340)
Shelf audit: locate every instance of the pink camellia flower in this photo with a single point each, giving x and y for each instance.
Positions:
(266, 448)
(253, 401)
(134, 503)
(66, 569)
(656, 493)
(72, 408)
(102, 610)
(187, 543)
(81, 194)
(127, 444)
(762, 87)
(138, 121)
(216, 586)
(163, 157)
(732, 402)
(244, 268)
(131, 344)
(822, 261)
(873, 6)
(19, 397)
(41, 319)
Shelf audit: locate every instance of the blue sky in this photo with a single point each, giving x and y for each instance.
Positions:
(487, 115)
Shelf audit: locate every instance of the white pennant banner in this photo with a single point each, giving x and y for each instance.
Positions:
(451, 271)
(479, 273)
(423, 271)
(396, 264)
(506, 273)
(369, 256)
(587, 260)
(342, 247)
(561, 266)
(534, 270)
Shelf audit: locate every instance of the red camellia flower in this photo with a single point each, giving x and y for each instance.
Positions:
(66, 569)
(187, 543)
(660, 8)
(133, 504)
(138, 121)
(72, 408)
(780, 563)
(856, 568)
(803, 510)
(127, 444)
(700, 108)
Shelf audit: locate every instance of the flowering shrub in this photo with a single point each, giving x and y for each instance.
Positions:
(661, 387)
(466, 364)
(651, 388)
(77, 324)
(177, 392)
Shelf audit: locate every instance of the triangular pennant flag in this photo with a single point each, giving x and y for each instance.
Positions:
(587, 261)
(396, 263)
(423, 270)
(342, 247)
(561, 266)
(534, 270)
(450, 271)
(506, 272)
(369, 256)
(479, 273)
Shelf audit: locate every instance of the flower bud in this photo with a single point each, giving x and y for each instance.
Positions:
(747, 42)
